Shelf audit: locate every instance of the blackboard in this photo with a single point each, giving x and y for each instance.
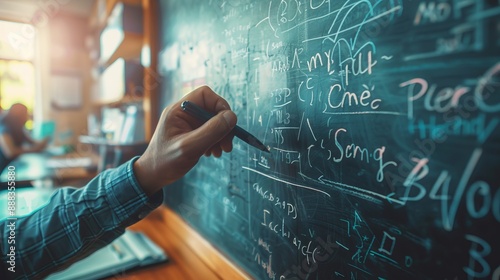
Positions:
(383, 121)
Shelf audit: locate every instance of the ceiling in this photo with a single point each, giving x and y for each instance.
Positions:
(26, 8)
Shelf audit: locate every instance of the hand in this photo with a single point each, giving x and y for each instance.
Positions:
(41, 145)
(180, 140)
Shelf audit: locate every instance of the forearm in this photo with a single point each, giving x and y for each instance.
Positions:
(13, 151)
(76, 222)
(28, 149)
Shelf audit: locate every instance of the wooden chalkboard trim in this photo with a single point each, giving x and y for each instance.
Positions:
(151, 77)
(214, 259)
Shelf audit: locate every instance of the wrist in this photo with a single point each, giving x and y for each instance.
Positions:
(146, 179)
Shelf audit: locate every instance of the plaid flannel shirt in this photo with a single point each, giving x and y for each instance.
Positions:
(75, 223)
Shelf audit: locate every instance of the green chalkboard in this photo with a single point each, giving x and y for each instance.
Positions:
(383, 121)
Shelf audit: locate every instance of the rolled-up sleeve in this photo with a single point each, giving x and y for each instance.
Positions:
(76, 222)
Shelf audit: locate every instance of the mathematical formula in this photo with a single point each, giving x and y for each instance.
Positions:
(382, 117)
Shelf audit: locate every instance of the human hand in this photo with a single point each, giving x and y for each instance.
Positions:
(180, 140)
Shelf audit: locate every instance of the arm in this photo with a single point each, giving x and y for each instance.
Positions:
(11, 150)
(35, 145)
(27, 138)
(77, 222)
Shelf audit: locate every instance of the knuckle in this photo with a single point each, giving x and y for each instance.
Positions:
(205, 88)
(221, 124)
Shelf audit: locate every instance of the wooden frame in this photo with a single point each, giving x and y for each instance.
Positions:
(190, 255)
(151, 76)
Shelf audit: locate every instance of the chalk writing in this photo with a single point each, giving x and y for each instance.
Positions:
(382, 121)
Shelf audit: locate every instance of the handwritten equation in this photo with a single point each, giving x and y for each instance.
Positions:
(383, 121)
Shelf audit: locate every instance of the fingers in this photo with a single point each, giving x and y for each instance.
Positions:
(206, 98)
(213, 137)
(211, 133)
(179, 140)
(224, 145)
(216, 151)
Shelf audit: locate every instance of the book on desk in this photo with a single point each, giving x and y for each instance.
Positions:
(130, 251)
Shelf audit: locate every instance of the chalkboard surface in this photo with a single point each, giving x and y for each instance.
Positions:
(382, 117)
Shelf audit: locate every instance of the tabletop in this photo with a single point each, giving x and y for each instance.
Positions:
(32, 167)
(190, 256)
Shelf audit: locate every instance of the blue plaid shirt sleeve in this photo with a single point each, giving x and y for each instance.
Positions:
(75, 223)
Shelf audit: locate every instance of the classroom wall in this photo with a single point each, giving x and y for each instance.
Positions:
(68, 54)
(60, 48)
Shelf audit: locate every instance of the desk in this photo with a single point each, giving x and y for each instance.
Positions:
(190, 256)
(117, 148)
(29, 167)
(33, 167)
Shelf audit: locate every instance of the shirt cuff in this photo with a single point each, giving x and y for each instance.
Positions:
(128, 198)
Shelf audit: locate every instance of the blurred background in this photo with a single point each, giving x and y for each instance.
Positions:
(80, 69)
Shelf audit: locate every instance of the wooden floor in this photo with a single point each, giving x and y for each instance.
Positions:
(190, 256)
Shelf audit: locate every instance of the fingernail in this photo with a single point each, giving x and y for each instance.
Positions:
(229, 117)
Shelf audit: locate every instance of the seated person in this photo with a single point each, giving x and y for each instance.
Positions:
(13, 138)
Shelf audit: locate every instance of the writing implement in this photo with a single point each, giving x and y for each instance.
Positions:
(239, 132)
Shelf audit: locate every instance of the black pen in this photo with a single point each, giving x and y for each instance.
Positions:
(239, 132)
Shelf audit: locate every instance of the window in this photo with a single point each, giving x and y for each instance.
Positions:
(17, 72)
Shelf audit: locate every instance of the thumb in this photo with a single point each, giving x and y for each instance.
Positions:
(214, 130)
